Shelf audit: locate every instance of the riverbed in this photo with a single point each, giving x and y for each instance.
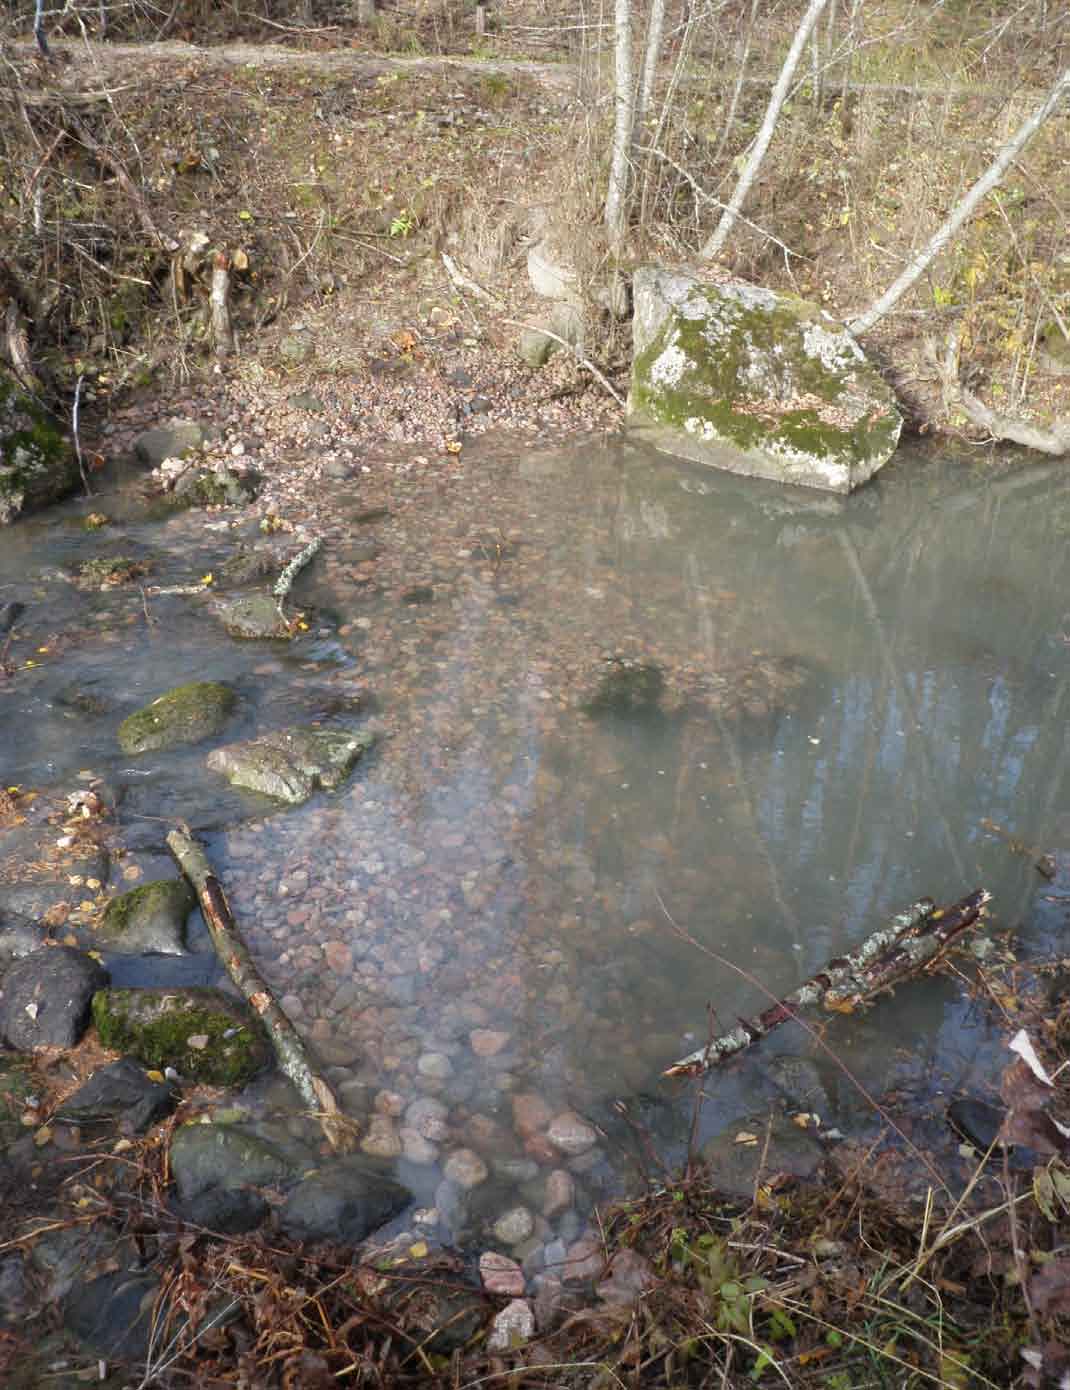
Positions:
(637, 723)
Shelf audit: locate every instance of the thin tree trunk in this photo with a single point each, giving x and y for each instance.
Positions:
(991, 178)
(715, 244)
(624, 106)
(654, 29)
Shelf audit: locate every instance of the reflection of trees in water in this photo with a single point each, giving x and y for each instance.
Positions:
(946, 704)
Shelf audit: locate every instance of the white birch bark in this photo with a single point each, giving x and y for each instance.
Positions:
(777, 98)
(990, 179)
(624, 108)
(654, 29)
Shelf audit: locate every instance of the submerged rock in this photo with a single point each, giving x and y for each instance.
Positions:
(151, 917)
(45, 998)
(739, 1157)
(346, 1201)
(187, 714)
(204, 1034)
(115, 1313)
(19, 936)
(213, 1157)
(255, 617)
(37, 462)
(290, 764)
(755, 382)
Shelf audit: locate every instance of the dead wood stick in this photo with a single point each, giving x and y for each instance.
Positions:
(294, 1061)
(911, 942)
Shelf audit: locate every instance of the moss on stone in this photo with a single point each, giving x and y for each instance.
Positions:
(37, 463)
(16, 1085)
(150, 917)
(727, 370)
(156, 1026)
(187, 714)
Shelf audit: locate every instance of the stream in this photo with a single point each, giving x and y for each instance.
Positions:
(619, 702)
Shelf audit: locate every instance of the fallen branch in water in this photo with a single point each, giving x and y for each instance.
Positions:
(911, 943)
(284, 583)
(293, 1060)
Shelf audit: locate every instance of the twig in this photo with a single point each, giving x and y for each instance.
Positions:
(583, 360)
(464, 282)
(77, 437)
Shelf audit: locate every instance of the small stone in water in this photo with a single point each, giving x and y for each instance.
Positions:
(530, 1113)
(416, 1148)
(560, 1193)
(513, 1327)
(465, 1168)
(500, 1274)
(436, 1065)
(486, 1042)
(427, 1117)
(382, 1139)
(514, 1226)
(571, 1134)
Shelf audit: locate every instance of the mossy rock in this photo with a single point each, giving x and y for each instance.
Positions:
(290, 764)
(755, 382)
(187, 714)
(37, 462)
(202, 1033)
(109, 571)
(151, 917)
(209, 487)
(627, 688)
(207, 1157)
(252, 617)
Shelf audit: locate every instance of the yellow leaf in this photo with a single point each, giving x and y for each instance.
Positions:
(207, 579)
(42, 1137)
(30, 663)
(95, 955)
(744, 1137)
(156, 1076)
(122, 1146)
(453, 447)
(419, 1250)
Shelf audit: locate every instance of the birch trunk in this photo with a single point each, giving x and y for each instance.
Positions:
(654, 29)
(715, 244)
(624, 107)
(990, 179)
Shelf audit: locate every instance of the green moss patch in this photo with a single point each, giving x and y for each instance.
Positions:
(37, 463)
(187, 714)
(149, 918)
(202, 1033)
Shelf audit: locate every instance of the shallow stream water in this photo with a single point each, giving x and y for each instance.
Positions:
(620, 701)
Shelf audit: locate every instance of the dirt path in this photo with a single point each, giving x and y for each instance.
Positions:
(118, 60)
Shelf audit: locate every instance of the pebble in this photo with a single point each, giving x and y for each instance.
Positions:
(560, 1193)
(487, 1043)
(416, 1148)
(465, 1168)
(428, 1117)
(514, 1226)
(500, 1274)
(571, 1134)
(584, 1259)
(513, 1327)
(382, 1139)
(435, 1065)
(530, 1113)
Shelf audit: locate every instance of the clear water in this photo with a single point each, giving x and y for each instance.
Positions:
(849, 688)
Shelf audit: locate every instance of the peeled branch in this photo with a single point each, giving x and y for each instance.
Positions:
(290, 1052)
(912, 942)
